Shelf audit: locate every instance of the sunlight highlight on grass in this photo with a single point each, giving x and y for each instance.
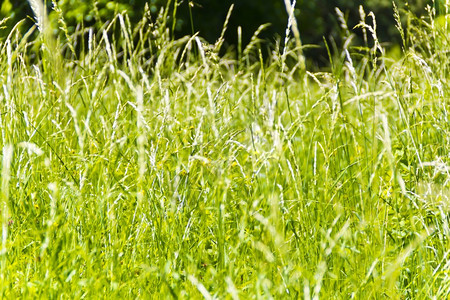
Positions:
(135, 165)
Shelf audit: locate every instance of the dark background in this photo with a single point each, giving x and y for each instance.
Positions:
(316, 19)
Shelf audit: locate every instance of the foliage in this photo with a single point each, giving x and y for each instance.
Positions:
(316, 19)
(151, 167)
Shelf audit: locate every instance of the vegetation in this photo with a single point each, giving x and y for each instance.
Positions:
(138, 165)
(316, 19)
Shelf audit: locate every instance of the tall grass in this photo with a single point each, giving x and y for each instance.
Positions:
(147, 167)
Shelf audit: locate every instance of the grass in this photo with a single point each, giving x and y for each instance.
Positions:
(138, 166)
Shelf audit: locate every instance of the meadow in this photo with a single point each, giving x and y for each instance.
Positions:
(134, 165)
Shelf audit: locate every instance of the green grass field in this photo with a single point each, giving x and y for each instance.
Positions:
(138, 166)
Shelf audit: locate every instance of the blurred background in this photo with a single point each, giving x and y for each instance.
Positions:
(316, 19)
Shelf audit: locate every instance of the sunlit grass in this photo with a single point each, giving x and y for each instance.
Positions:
(134, 165)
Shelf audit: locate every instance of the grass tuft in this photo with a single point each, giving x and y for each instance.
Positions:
(136, 165)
